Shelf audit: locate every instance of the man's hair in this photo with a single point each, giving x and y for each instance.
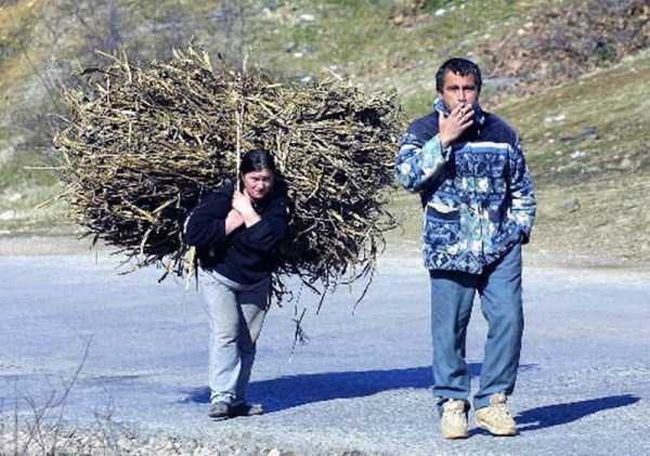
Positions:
(459, 66)
(257, 160)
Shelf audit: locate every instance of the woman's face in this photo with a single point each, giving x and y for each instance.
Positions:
(258, 184)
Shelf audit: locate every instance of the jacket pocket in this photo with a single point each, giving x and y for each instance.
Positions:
(441, 225)
(440, 210)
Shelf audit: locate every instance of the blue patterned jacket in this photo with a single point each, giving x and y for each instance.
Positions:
(477, 193)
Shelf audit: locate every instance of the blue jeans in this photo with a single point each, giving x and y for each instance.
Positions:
(236, 314)
(452, 295)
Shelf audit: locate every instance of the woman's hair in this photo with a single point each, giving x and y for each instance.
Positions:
(257, 160)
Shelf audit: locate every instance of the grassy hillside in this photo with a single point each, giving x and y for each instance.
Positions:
(586, 135)
(588, 149)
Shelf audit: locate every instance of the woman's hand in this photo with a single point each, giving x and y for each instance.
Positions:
(242, 203)
(233, 221)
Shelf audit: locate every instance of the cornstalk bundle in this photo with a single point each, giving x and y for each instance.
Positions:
(143, 141)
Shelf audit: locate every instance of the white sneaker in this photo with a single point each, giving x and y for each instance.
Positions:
(453, 423)
(496, 418)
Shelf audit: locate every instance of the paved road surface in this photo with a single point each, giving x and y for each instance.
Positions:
(361, 383)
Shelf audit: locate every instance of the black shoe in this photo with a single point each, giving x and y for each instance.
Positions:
(219, 411)
(245, 409)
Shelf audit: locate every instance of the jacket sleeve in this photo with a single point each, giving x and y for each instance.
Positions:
(266, 234)
(421, 158)
(524, 204)
(206, 224)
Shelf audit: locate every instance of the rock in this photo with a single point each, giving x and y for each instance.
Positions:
(8, 215)
(586, 133)
(553, 119)
(626, 164)
(13, 197)
(571, 205)
(8, 149)
(500, 82)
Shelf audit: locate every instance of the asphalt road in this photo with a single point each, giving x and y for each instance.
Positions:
(359, 384)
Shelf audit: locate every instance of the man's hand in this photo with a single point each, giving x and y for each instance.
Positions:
(453, 125)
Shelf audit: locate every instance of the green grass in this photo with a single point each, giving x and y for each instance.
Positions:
(22, 170)
(358, 39)
(614, 102)
(23, 189)
(20, 204)
(608, 175)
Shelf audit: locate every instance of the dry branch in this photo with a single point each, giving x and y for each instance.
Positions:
(144, 140)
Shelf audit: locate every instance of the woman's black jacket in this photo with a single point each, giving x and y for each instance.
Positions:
(246, 255)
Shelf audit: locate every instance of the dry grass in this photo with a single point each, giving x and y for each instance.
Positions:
(606, 220)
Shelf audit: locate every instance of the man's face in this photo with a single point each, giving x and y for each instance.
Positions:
(459, 90)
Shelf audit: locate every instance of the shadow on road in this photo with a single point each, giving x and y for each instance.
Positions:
(557, 414)
(293, 391)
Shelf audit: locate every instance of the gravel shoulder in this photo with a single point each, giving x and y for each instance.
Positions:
(65, 242)
(59, 241)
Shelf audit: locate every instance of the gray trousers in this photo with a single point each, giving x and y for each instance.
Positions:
(236, 313)
(452, 295)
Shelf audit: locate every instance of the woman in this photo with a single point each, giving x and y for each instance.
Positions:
(237, 234)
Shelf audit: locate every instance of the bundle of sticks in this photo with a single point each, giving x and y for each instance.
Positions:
(144, 140)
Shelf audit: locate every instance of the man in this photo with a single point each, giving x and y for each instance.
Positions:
(479, 207)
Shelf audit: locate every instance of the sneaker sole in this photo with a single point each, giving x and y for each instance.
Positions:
(497, 432)
(455, 436)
